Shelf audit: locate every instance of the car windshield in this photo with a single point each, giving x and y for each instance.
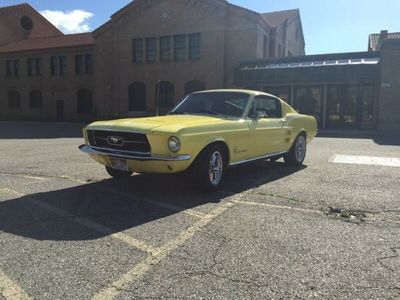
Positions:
(227, 104)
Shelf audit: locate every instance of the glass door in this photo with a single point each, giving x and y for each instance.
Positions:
(342, 105)
(308, 101)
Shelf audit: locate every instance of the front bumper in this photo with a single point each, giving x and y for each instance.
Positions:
(132, 156)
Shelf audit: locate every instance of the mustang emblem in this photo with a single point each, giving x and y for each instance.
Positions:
(115, 140)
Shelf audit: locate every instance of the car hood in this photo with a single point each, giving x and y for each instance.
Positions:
(167, 124)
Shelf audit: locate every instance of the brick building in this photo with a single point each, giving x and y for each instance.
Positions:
(153, 52)
(150, 51)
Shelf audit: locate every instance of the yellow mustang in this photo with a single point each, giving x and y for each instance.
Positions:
(204, 134)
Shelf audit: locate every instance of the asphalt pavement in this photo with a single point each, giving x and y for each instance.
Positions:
(325, 230)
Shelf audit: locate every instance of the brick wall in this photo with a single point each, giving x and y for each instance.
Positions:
(389, 96)
(60, 87)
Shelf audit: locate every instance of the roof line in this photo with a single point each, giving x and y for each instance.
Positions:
(341, 55)
(27, 5)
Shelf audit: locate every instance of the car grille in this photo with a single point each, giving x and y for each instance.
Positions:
(121, 141)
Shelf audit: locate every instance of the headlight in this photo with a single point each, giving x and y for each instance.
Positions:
(174, 144)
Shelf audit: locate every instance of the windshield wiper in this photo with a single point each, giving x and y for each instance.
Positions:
(177, 113)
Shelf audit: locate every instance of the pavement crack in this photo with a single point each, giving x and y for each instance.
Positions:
(281, 197)
(396, 255)
(345, 215)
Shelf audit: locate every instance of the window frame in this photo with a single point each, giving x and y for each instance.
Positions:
(12, 107)
(138, 52)
(32, 101)
(165, 52)
(252, 114)
(151, 50)
(194, 46)
(180, 47)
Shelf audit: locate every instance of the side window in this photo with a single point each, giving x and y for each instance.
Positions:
(271, 106)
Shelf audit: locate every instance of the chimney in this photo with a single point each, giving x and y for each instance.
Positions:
(384, 35)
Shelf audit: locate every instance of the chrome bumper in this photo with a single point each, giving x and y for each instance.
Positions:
(132, 156)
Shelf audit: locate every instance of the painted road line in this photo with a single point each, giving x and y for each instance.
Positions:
(315, 211)
(127, 239)
(10, 290)
(136, 273)
(168, 206)
(367, 160)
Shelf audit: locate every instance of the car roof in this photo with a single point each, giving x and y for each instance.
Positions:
(249, 92)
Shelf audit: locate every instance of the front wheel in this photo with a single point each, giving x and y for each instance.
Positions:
(297, 153)
(209, 168)
(117, 173)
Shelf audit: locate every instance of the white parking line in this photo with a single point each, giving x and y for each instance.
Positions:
(127, 239)
(139, 270)
(10, 290)
(367, 160)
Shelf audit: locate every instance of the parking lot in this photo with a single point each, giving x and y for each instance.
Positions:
(328, 229)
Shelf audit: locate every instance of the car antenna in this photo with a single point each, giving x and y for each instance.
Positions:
(158, 96)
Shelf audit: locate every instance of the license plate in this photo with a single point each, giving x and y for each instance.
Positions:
(119, 164)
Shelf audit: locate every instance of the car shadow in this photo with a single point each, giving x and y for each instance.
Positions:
(384, 139)
(123, 204)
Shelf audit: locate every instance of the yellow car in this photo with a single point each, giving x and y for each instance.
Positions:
(205, 133)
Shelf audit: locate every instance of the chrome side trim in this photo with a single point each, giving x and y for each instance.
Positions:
(113, 153)
(257, 158)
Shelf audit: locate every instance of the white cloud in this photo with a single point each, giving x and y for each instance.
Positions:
(74, 21)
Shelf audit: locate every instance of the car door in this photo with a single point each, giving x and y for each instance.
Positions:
(268, 133)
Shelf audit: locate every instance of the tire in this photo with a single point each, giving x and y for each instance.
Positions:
(297, 153)
(117, 173)
(208, 169)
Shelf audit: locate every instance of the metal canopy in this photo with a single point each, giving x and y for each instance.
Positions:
(308, 64)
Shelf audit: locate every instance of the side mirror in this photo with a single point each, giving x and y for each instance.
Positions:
(261, 114)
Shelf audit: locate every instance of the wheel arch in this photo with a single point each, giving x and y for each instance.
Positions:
(221, 142)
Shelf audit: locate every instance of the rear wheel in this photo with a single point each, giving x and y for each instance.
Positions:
(117, 173)
(209, 168)
(297, 153)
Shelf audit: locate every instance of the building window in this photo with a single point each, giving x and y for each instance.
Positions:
(194, 86)
(265, 49)
(165, 93)
(58, 65)
(12, 68)
(14, 100)
(180, 47)
(194, 46)
(137, 45)
(34, 66)
(88, 63)
(84, 101)
(83, 64)
(35, 99)
(79, 64)
(165, 48)
(309, 100)
(137, 96)
(280, 50)
(151, 50)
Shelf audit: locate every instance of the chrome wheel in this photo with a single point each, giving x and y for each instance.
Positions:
(300, 150)
(216, 167)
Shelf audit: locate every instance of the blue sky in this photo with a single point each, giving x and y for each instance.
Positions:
(329, 26)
